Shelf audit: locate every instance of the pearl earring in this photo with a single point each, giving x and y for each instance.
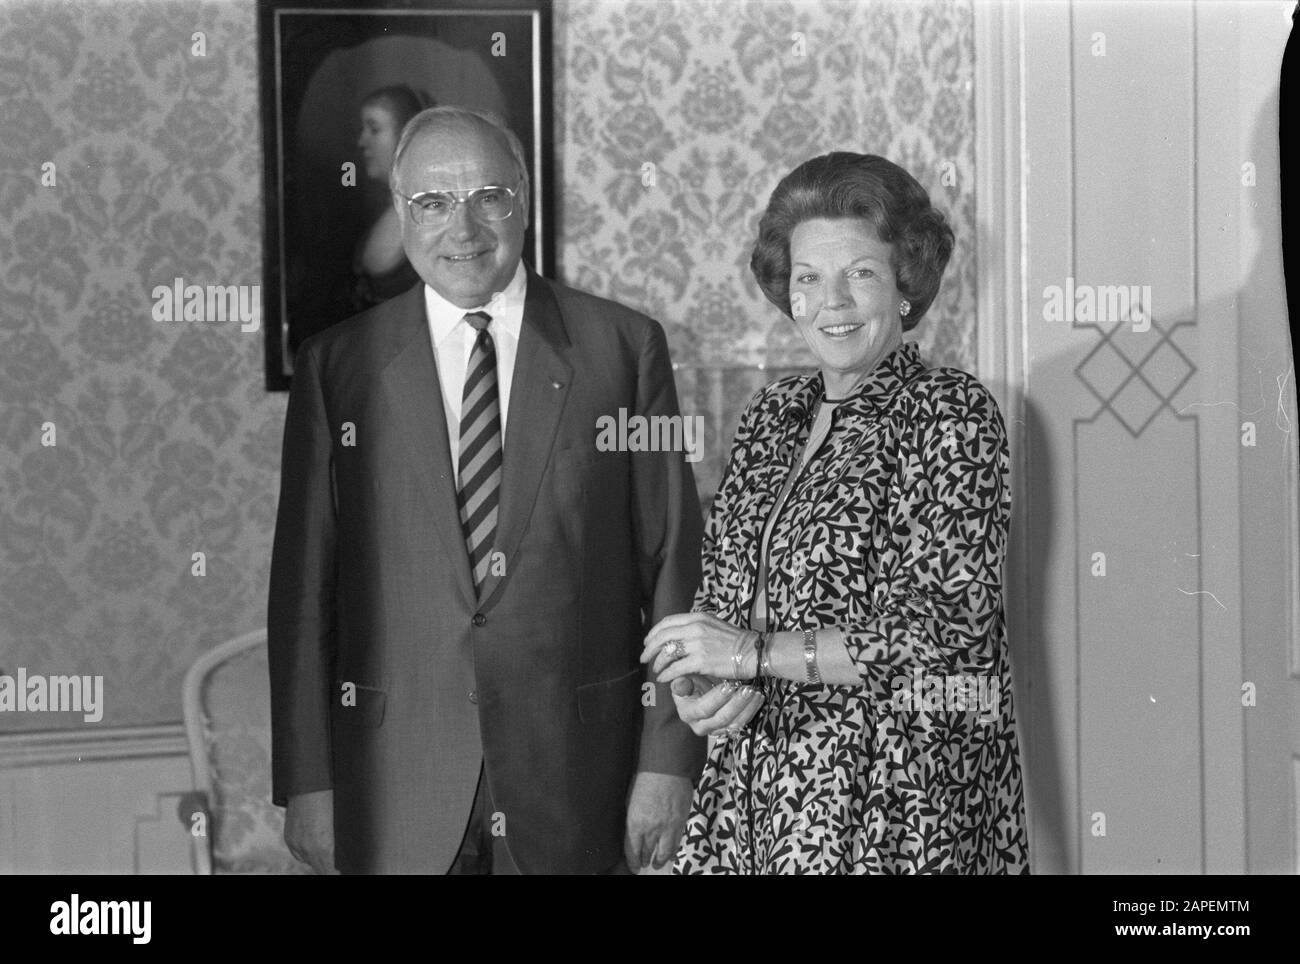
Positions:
(904, 307)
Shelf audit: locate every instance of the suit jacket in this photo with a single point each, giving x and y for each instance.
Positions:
(390, 679)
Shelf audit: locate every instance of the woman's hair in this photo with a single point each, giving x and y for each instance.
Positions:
(400, 101)
(846, 185)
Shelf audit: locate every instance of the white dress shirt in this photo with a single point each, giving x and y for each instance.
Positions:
(453, 342)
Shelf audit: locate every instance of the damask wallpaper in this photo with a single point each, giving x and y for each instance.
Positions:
(165, 442)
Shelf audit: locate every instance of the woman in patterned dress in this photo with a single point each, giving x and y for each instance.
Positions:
(846, 649)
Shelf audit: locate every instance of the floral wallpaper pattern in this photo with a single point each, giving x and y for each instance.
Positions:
(166, 443)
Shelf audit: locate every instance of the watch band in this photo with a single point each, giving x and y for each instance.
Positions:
(811, 673)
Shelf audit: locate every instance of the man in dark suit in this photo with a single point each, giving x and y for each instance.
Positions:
(461, 580)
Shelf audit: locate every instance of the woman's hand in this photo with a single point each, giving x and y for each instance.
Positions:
(707, 706)
(698, 643)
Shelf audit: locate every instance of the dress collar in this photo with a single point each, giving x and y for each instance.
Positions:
(875, 391)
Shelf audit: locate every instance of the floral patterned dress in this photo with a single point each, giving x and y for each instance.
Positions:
(895, 532)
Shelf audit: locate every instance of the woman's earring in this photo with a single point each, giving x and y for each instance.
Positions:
(904, 307)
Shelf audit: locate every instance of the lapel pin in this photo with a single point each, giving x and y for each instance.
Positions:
(555, 384)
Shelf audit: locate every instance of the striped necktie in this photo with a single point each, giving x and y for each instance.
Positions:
(480, 450)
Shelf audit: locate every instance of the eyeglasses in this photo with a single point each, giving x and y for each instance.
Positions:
(433, 208)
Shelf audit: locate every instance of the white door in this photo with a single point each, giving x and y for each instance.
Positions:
(1133, 320)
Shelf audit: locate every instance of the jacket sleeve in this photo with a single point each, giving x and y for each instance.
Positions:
(666, 514)
(300, 607)
(937, 594)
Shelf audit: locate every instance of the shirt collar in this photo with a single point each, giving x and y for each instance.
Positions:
(506, 308)
(875, 391)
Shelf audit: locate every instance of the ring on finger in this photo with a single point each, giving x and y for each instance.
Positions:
(676, 649)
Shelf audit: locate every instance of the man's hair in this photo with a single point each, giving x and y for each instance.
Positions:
(451, 115)
(400, 101)
(866, 186)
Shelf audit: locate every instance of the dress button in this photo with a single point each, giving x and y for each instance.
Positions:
(479, 619)
(473, 696)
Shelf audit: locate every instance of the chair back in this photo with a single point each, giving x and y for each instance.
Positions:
(227, 707)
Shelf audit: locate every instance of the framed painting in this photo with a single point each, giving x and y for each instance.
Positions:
(339, 80)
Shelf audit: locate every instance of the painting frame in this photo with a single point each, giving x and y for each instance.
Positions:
(312, 58)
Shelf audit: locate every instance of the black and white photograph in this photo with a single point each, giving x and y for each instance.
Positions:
(651, 438)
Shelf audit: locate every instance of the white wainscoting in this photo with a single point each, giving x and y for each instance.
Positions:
(94, 801)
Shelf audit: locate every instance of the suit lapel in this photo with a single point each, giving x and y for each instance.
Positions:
(410, 381)
(540, 385)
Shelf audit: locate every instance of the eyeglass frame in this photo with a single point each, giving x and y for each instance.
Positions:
(410, 199)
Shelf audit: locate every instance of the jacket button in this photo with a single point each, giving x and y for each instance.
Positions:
(479, 619)
(473, 696)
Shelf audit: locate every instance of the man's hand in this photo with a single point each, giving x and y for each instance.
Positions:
(657, 809)
(309, 829)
